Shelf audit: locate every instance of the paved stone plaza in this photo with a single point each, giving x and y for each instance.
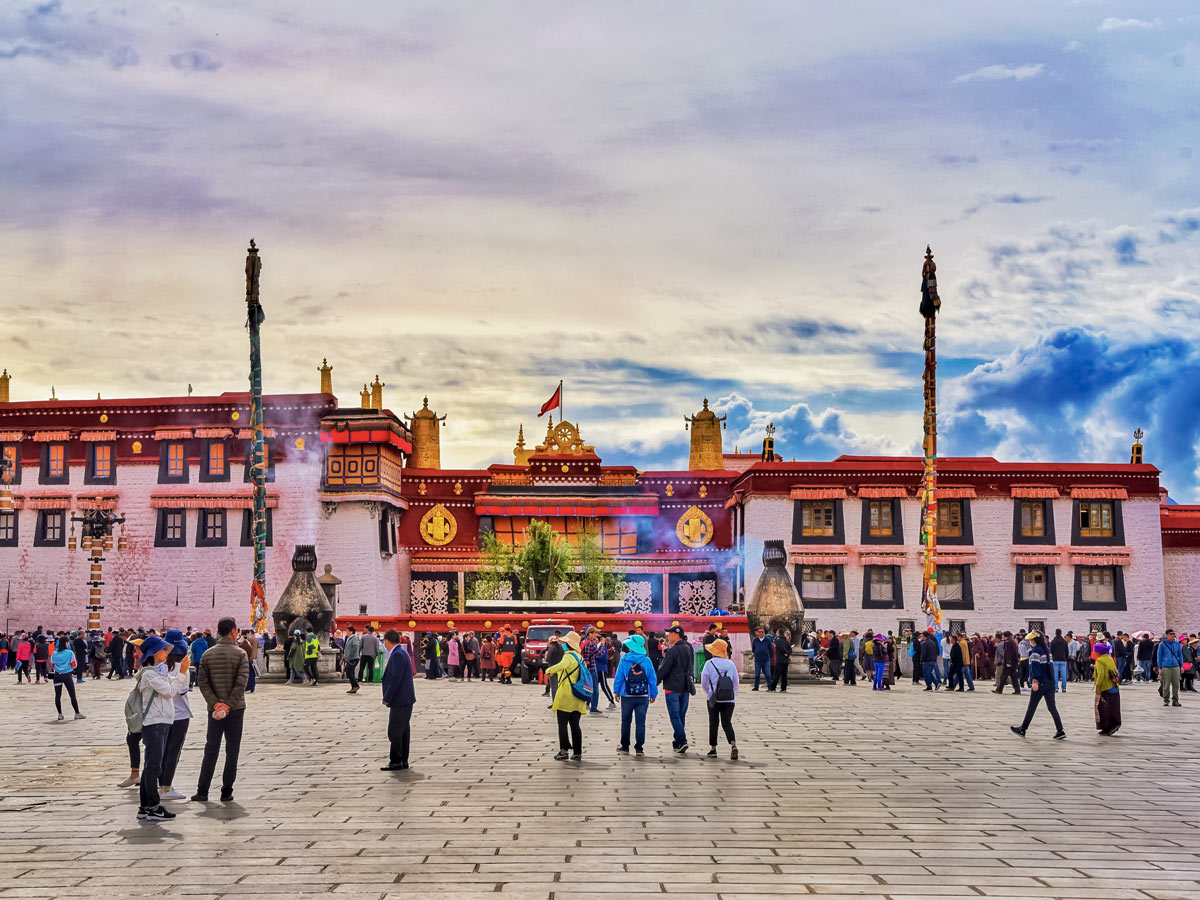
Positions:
(839, 792)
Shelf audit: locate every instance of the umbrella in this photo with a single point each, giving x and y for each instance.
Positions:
(1141, 634)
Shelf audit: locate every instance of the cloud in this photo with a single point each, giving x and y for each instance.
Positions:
(1126, 248)
(1112, 23)
(1002, 73)
(195, 61)
(1010, 199)
(123, 56)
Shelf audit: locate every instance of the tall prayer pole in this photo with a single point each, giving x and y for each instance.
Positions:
(930, 304)
(258, 469)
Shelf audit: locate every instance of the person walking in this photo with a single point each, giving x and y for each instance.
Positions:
(506, 654)
(879, 657)
(249, 645)
(604, 652)
(968, 670)
(312, 654)
(1170, 666)
(399, 696)
(41, 658)
(63, 665)
(370, 651)
(568, 708)
(97, 654)
(351, 657)
(24, 658)
(156, 691)
(929, 660)
(761, 645)
(677, 677)
(80, 648)
(1008, 656)
(183, 718)
(590, 650)
(1041, 685)
(224, 674)
(955, 674)
(116, 655)
(637, 687)
(719, 679)
(1107, 680)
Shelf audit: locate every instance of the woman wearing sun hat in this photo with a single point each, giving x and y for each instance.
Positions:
(1108, 692)
(158, 692)
(719, 678)
(567, 707)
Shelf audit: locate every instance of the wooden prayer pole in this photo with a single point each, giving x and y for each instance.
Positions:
(258, 468)
(930, 304)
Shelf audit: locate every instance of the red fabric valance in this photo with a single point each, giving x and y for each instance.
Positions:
(1100, 559)
(883, 491)
(52, 435)
(42, 502)
(877, 558)
(97, 435)
(214, 433)
(208, 501)
(1036, 492)
(818, 493)
(105, 501)
(172, 434)
(1099, 493)
(246, 434)
(955, 493)
(818, 559)
(11, 437)
(1037, 559)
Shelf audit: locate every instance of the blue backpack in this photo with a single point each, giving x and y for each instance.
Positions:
(637, 684)
(583, 684)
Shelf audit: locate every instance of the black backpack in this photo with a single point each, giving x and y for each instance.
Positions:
(636, 682)
(723, 692)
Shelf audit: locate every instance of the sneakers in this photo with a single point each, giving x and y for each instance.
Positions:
(623, 750)
(199, 798)
(226, 796)
(130, 781)
(171, 794)
(712, 752)
(157, 814)
(1061, 736)
(682, 748)
(80, 716)
(733, 754)
(1017, 730)
(576, 757)
(60, 715)
(612, 706)
(1177, 703)
(595, 712)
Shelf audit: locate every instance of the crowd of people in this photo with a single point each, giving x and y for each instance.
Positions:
(579, 670)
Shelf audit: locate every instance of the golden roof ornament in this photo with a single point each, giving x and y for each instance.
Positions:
(520, 454)
(365, 395)
(425, 426)
(326, 371)
(706, 447)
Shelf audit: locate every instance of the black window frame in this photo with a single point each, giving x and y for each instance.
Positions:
(897, 535)
(89, 472)
(1119, 603)
(897, 601)
(1051, 601)
(1047, 518)
(838, 601)
(967, 538)
(387, 533)
(250, 459)
(248, 518)
(202, 520)
(44, 473)
(16, 469)
(1117, 539)
(968, 594)
(39, 535)
(839, 524)
(14, 541)
(163, 452)
(160, 528)
(205, 451)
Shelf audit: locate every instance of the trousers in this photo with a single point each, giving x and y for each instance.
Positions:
(350, 670)
(762, 667)
(229, 728)
(1170, 683)
(633, 713)
(1060, 675)
(175, 739)
(723, 713)
(155, 739)
(61, 681)
(399, 732)
(677, 707)
(571, 720)
(1044, 692)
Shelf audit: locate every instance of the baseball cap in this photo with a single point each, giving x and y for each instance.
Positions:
(678, 629)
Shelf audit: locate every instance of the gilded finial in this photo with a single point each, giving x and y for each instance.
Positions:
(1138, 435)
(253, 247)
(365, 396)
(326, 371)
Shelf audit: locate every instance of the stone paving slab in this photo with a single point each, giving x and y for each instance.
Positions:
(840, 793)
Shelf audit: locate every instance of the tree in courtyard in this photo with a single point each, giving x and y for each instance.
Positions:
(597, 575)
(543, 562)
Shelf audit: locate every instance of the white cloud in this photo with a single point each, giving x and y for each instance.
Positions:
(1112, 23)
(1002, 73)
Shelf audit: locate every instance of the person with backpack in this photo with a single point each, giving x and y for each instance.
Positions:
(133, 725)
(571, 698)
(155, 692)
(604, 650)
(719, 678)
(637, 687)
(676, 675)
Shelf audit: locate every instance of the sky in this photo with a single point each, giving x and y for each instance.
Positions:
(654, 202)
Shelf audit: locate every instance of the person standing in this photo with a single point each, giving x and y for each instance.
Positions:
(850, 659)
(183, 718)
(1041, 685)
(1107, 679)
(761, 646)
(1145, 657)
(1008, 656)
(676, 675)
(506, 653)
(370, 651)
(63, 664)
(781, 660)
(399, 696)
(351, 656)
(471, 655)
(41, 657)
(637, 687)
(554, 652)
(590, 650)
(879, 657)
(833, 653)
(568, 708)
(156, 692)
(97, 654)
(487, 659)
(719, 679)
(116, 656)
(1059, 651)
(249, 645)
(1072, 661)
(454, 658)
(224, 674)
(929, 660)
(1170, 666)
(604, 652)
(709, 636)
(312, 654)
(80, 648)
(1188, 670)
(198, 648)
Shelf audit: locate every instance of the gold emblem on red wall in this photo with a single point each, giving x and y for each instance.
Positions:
(438, 526)
(694, 528)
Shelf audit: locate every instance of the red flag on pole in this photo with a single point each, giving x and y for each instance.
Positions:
(553, 403)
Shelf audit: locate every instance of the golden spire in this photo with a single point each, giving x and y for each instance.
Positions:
(326, 371)
(425, 429)
(706, 448)
(520, 454)
(4, 380)
(366, 397)
(377, 387)
(1135, 455)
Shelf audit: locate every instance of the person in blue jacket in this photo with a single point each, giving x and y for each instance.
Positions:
(399, 697)
(637, 686)
(1170, 667)
(762, 646)
(1041, 683)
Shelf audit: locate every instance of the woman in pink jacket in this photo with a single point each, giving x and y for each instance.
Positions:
(24, 655)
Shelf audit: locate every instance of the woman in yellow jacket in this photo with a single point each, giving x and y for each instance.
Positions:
(567, 707)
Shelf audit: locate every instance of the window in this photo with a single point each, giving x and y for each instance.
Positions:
(172, 463)
(247, 523)
(210, 528)
(950, 584)
(619, 536)
(882, 588)
(362, 609)
(101, 468)
(1098, 625)
(821, 587)
(1096, 586)
(54, 464)
(950, 518)
(958, 626)
(1033, 521)
(817, 518)
(387, 532)
(12, 452)
(880, 512)
(906, 626)
(1035, 588)
(1038, 625)
(51, 528)
(170, 529)
(8, 529)
(215, 466)
(510, 530)
(1095, 519)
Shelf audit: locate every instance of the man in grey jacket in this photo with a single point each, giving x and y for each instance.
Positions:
(351, 654)
(370, 650)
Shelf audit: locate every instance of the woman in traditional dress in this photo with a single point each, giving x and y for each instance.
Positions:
(1108, 694)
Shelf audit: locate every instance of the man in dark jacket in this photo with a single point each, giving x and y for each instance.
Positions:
(1011, 658)
(929, 660)
(1059, 650)
(224, 673)
(116, 656)
(762, 646)
(834, 655)
(1145, 658)
(675, 674)
(80, 647)
(399, 697)
(783, 656)
(554, 654)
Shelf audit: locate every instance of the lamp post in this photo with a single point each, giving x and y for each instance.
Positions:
(96, 527)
